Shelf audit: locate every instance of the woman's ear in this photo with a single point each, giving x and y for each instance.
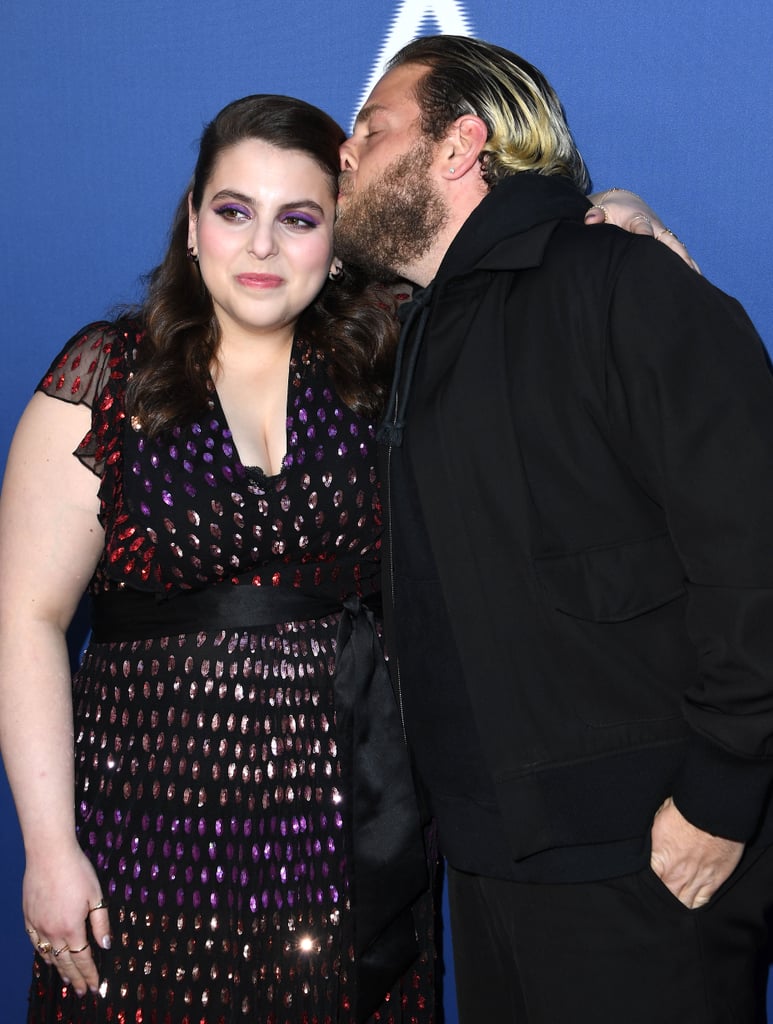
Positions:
(336, 268)
(193, 221)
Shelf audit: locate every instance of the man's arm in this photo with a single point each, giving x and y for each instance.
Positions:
(691, 406)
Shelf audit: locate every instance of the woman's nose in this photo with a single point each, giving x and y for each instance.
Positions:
(262, 241)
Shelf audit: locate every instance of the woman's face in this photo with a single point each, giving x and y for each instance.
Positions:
(264, 236)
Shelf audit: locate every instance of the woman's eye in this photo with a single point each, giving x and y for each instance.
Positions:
(233, 213)
(299, 220)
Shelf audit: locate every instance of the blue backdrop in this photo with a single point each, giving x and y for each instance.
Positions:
(102, 102)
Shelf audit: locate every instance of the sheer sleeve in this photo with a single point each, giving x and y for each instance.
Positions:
(92, 369)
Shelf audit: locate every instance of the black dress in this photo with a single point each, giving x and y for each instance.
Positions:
(208, 781)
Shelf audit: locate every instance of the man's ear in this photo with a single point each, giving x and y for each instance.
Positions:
(462, 146)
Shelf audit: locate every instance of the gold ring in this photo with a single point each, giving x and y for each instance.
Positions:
(61, 949)
(666, 231)
(31, 931)
(641, 216)
(80, 949)
(100, 905)
(600, 206)
(44, 948)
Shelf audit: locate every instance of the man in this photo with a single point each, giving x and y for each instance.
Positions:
(578, 496)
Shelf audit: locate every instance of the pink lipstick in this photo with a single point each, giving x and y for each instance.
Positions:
(259, 280)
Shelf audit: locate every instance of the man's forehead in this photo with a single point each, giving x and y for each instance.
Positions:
(368, 111)
(393, 91)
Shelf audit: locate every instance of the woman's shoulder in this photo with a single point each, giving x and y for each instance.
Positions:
(100, 352)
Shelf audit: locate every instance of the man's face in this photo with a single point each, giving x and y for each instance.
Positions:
(389, 207)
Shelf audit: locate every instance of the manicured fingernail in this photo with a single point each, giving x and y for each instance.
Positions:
(106, 942)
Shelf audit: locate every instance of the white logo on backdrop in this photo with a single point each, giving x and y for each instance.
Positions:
(449, 17)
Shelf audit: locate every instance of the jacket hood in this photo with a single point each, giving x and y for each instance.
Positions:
(488, 239)
(498, 235)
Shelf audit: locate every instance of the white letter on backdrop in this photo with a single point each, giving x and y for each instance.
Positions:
(451, 20)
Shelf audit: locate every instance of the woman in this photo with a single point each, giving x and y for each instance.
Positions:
(221, 509)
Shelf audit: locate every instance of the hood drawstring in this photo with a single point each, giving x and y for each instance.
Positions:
(415, 312)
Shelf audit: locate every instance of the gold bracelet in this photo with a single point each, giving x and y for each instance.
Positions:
(609, 192)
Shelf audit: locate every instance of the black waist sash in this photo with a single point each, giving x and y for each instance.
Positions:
(387, 863)
(133, 615)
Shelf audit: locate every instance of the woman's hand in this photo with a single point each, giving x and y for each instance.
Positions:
(65, 913)
(626, 210)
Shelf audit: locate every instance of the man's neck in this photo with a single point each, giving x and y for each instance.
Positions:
(424, 270)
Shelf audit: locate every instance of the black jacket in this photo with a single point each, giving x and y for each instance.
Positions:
(589, 428)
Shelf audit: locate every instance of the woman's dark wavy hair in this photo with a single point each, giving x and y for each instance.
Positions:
(351, 321)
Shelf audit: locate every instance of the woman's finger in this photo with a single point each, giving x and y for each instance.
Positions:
(76, 966)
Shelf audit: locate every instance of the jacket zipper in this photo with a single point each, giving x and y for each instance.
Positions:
(393, 434)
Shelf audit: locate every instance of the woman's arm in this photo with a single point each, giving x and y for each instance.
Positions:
(626, 210)
(50, 541)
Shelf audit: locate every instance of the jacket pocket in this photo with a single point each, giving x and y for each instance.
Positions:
(613, 584)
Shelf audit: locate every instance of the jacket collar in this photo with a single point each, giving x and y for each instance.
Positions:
(498, 234)
(507, 231)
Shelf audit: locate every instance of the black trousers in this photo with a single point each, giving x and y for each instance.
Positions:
(623, 951)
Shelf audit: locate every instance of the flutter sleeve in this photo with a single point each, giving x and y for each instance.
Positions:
(92, 369)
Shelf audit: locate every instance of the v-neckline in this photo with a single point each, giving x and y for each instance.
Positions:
(220, 411)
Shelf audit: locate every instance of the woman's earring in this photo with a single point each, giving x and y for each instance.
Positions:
(336, 270)
(193, 256)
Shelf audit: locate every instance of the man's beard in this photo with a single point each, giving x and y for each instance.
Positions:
(393, 221)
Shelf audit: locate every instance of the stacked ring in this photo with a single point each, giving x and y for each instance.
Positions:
(80, 948)
(665, 231)
(61, 949)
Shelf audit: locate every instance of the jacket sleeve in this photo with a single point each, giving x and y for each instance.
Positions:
(690, 400)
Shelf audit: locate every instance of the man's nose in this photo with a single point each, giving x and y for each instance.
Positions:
(348, 155)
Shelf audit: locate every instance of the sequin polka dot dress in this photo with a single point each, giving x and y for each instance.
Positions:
(208, 783)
